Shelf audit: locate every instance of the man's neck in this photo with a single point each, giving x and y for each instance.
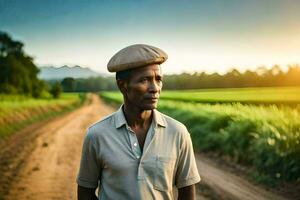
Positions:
(137, 118)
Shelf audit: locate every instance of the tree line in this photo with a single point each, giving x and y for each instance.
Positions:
(93, 84)
(261, 77)
(18, 75)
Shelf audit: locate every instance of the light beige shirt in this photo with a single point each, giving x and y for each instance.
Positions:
(112, 159)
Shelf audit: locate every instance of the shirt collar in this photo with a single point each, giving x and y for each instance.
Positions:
(159, 118)
(120, 119)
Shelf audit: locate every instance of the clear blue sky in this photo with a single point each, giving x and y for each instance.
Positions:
(202, 35)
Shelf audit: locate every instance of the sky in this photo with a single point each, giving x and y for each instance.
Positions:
(197, 35)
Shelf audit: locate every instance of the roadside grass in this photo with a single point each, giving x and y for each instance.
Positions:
(16, 112)
(263, 137)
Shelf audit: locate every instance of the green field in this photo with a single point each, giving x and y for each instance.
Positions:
(276, 95)
(17, 111)
(263, 137)
(271, 95)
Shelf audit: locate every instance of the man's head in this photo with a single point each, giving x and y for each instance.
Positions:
(139, 75)
(142, 86)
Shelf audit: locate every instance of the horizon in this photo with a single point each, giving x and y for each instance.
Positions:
(106, 74)
(198, 36)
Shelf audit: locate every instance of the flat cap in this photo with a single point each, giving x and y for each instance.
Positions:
(134, 56)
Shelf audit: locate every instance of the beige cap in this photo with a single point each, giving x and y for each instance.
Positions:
(134, 56)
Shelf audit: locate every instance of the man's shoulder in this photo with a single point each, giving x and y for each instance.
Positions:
(172, 123)
(104, 123)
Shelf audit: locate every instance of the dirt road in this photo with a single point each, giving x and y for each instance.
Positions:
(227, 185)
(49, 168)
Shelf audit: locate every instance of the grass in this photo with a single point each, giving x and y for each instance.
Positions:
(263, 137)
(266, 137)
(270, 95)
(17, 112)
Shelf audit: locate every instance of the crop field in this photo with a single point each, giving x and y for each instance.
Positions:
(18, 111)
(263, 137)
(269, 95)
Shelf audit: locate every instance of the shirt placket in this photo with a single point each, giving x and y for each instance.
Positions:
(135, 147)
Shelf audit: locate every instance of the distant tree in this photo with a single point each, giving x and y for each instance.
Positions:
(56, 90)
(38, 87)
(293, 75)
(68, 84)
(18, 73)
(276, 70)
(261, 77)
(9, 46)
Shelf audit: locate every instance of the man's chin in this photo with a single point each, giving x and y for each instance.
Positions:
(150, 107)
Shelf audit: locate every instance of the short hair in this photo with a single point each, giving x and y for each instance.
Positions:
(123, 75)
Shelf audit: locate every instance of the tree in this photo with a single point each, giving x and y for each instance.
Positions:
(68, 84)
(55, 90)
(9, 46)
(18, 73)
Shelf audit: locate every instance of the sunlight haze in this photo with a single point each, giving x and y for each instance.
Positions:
(210, 36)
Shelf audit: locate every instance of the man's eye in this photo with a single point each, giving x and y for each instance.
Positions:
(144, 80)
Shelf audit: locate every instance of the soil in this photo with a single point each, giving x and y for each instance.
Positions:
(46, 165)
(228, 185)
(41, 162)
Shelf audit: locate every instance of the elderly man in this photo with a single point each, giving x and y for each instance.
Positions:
(138, 152)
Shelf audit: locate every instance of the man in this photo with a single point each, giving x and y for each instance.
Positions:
(137, 152)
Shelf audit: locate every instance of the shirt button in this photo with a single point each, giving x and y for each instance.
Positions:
(137, 157)
(135, 144)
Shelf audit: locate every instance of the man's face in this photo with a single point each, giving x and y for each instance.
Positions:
(143, 88)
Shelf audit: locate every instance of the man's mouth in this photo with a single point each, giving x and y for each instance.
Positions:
(152, 99)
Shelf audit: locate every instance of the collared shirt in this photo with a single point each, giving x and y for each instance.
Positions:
(134, 141)
(112, 160)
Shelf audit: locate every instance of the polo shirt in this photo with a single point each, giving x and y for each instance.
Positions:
(113, 161)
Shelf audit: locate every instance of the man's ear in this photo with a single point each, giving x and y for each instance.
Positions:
(123, 86)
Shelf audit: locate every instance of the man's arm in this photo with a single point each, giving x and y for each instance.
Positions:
(187, 193)
(86, 193)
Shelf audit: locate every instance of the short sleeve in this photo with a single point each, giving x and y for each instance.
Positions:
(89, 171)
(187, 172)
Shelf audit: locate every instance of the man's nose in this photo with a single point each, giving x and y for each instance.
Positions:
(154, 87)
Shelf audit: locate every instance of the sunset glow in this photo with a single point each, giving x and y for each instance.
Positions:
(211, 36)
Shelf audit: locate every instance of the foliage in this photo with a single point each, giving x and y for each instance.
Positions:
(68, 84)
(18, 73)
(264, 137)
(262, 77)
(55, 90)
(38, 88)
(92, 84)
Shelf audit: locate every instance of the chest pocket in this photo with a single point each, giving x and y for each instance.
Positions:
(164, 173)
